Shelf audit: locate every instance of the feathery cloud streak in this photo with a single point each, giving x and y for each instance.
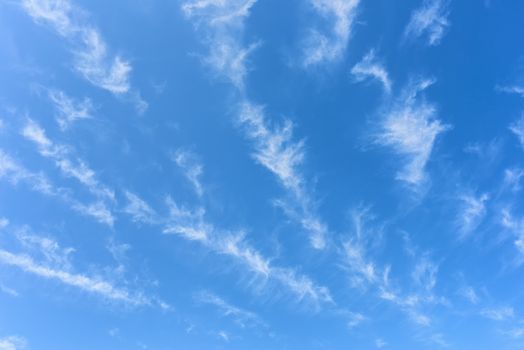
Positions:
(222, 22)
(91, 57)
(70, 110)
(38, 182)
(240, 316)
(56, 265)
(430, 20)
(276, 151)
(76, 169)
(192, 168)
(370, 67)
(274, 148)
(322, 48)
(410, 127)
(473, 211)
(12, 343)
(191, 225)
(517, 128)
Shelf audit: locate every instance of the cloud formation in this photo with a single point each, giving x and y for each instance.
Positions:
(191, 225)
(70, 110)
(517, 128)
(222, 24)
(242, 317)
(92, 60)
(430, 20)
(16, 173)
(320, 47)
(276, 150)
(410, 128)
(55, 265)
(370, 68)
(191, 167)
(75, 168)
(12, 343)
(472, 213)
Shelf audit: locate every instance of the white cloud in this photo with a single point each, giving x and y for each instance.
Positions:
(15, 173)
(97, 210)
(512, 178)
(425, 274)
(370, 68)
(38, 182)
(470, 294)
(472, 213)
(83, 282)
(410, 128)
(139, 210)
(516, 227)
(92, 60)
(380, 343)
(512, 89)
(515, 333)
(192, 168)
(328, 47)
(240, 316)
(363, 271)
(223, 335)
(430, 20)
(191, 225)
(3, 223)
(75, 168)
(518, 129)
(8, 291)
(276, 150)
(49, 250)
(223, 24)
(12, 343)
(498, 314)
(70, 110)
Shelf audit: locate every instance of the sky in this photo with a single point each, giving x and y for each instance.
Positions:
(261, 174)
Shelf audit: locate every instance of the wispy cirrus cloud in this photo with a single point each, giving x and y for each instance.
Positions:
(430, 20)
(91, 57)
(240, 316)
(469, 294)
(498, 313)
(512, 178)
(16, 173)
(222, 24)
(320, 47)
(517, 128)
(371, 68)
(511, 89)
(60, 154)
(366, 274)
(55, 265)
(139, 210)
(276, 150)
(187, 161)
(410, 128)
(70, 110)
(472, 212)
(12, 342)
(516, 227)
(192, 225)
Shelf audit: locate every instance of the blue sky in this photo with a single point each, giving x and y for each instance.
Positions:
(249, 174)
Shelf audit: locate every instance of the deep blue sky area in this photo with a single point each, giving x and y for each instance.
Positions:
(261, 174)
